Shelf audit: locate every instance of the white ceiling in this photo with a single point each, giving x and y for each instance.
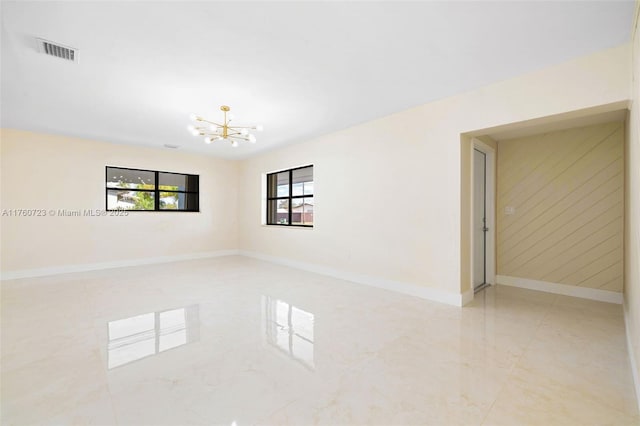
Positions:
(301, 69)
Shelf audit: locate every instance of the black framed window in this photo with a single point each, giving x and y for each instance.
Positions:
(290, 197)
(151, 190)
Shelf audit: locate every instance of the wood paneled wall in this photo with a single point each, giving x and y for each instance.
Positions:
(567, 188)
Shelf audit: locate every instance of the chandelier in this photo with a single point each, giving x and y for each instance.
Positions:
(213, 131)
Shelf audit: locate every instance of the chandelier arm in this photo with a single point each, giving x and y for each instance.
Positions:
(212, 122)
(229, 134)
(242, 138)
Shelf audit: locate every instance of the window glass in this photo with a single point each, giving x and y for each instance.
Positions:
(118, 199)
(129, 178)
(177, 182)
(302, 211)
(302, 182)
(278, 212)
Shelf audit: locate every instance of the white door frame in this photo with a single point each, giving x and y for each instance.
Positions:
(490, 194)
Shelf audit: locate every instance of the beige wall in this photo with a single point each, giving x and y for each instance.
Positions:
(567, 189)
(55, 172)
(632, 216)
(389, 196)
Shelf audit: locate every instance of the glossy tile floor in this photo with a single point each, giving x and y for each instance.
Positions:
(236, 341)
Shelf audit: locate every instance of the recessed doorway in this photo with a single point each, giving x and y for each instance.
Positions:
(483, 222)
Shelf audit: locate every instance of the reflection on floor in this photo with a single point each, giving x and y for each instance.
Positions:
(140, 336)
(239, 341)
(289, 329)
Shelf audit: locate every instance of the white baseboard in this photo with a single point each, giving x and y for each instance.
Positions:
(56, 270)
(632, 358)
(467, 297)
(397, 286)
(567, 290)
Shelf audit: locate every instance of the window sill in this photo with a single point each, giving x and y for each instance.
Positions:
(308, 228)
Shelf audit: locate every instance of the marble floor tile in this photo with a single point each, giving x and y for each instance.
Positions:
(236, 341)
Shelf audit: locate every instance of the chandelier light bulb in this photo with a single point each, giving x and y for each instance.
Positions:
(193, 130)
(193, 116)
(234, 144)
(252, 139)
(208, 140)
(259, 127)
(244, 132)
(213, 128)
(230, 117)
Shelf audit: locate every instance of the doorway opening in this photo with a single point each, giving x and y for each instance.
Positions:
(483, 209)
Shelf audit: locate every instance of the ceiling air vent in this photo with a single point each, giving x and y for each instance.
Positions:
(58, 50)
(166, 145)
